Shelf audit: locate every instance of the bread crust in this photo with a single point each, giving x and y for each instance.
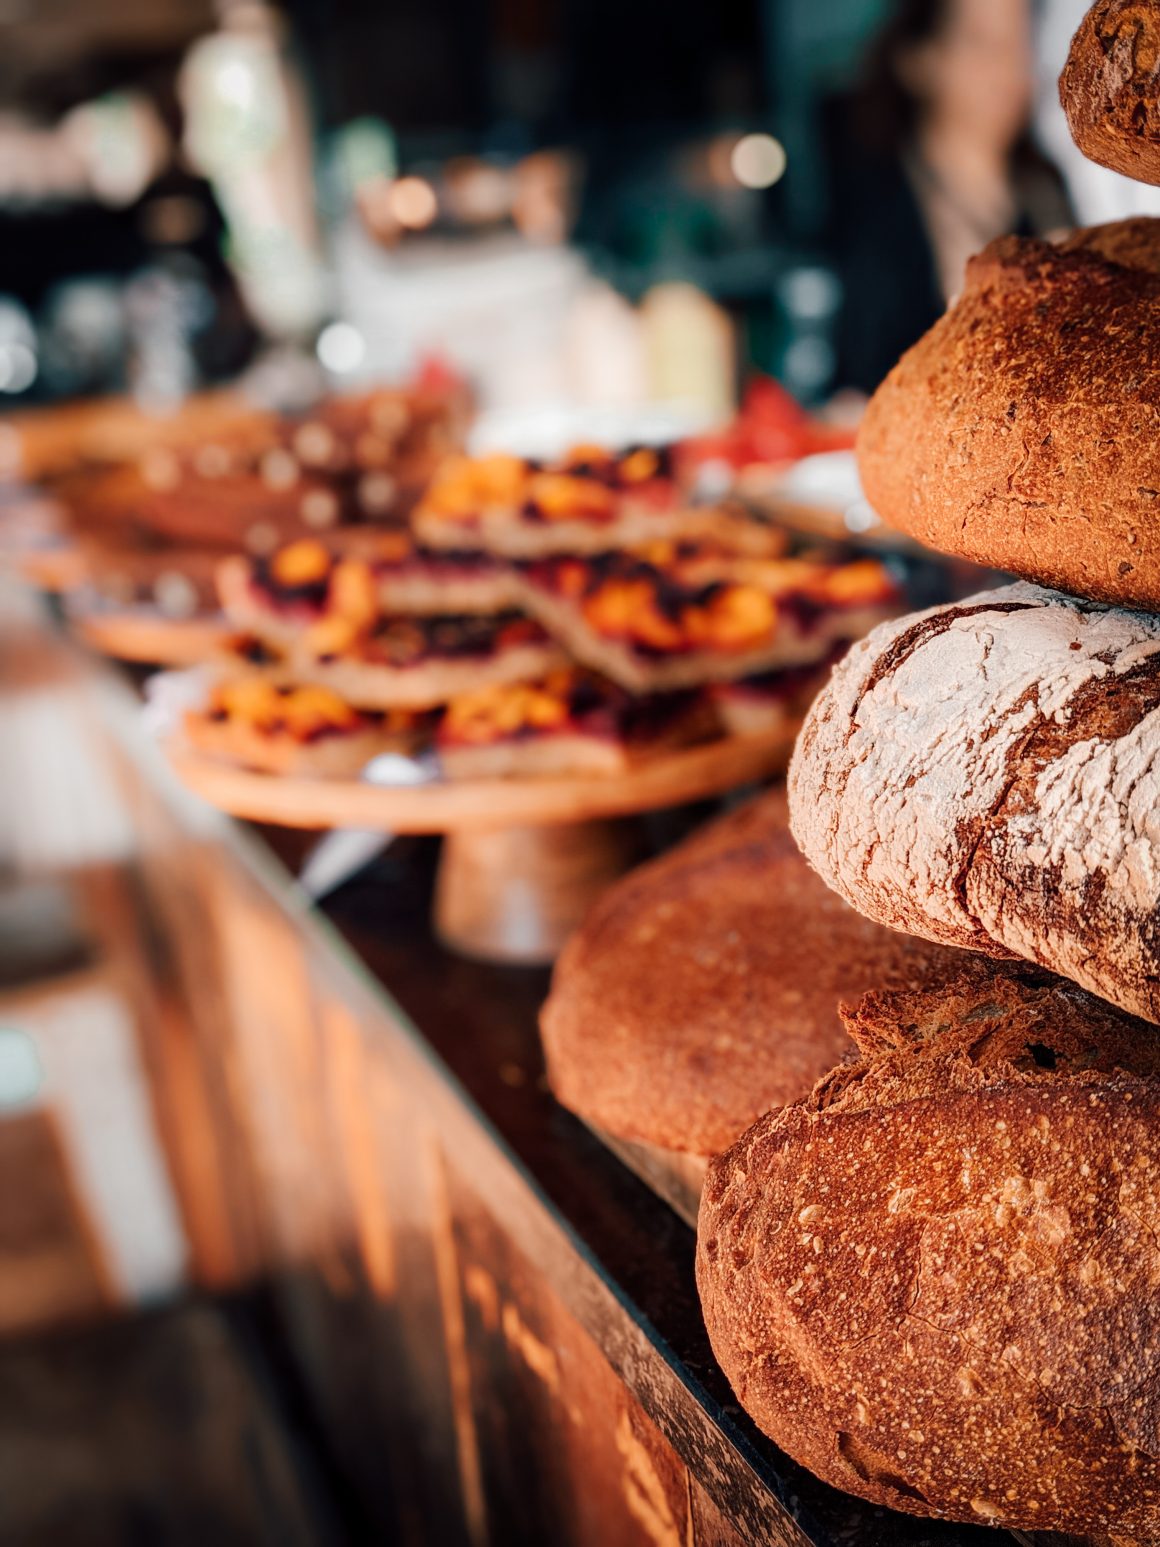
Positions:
(1023, 430)
(703, 989)
(933, 1282)
(987, 774)
(1110, 87)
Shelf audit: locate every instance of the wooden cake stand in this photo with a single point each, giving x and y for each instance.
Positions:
(522, 859)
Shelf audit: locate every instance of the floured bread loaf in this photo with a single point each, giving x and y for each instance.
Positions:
(1023, 430)
(987, 774)
(1110, 87)
(933, 1282)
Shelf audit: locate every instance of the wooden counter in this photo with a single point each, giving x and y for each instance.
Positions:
(491, 1324)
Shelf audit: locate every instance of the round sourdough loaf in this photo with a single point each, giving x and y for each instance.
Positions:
(933, 1282)
(703, 989)
(1110, 87)
(987, 774)
(1023, 430)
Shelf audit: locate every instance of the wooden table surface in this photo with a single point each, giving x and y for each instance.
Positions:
(490, 1325)
(481, 1021)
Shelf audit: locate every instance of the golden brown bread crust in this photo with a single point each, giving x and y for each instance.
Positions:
(1023, 430)
(704, 988)
(933, 1282)
(1110, 87)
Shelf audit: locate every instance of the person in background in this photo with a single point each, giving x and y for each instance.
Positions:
(931, 161)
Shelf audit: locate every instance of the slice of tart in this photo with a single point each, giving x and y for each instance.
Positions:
(661, 623)
(405, 662)
(590, 501)
(568, 722)
(296, 730)
(309, 581)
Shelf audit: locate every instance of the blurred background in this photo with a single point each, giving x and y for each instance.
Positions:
(599, 203)
(606, 217)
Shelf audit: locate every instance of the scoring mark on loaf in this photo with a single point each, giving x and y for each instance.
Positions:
(928, 628)
(988, 775)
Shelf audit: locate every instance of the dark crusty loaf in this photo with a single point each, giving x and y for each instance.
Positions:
(1110, 87)
(934, 1282)
(1023, 430)
(704, 988)
(987, 774)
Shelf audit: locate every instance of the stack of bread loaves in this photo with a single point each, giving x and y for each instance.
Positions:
(936, 1281)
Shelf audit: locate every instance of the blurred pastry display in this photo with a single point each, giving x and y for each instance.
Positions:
(145, 533)
(591, 500)
(655, 622)
(295, 730)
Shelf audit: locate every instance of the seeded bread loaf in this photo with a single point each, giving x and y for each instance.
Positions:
(704, 988)
(933, 1282)
(1023, 430)
(987, 774)
(1110, 87)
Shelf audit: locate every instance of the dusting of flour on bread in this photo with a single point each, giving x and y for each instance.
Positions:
(987, 774)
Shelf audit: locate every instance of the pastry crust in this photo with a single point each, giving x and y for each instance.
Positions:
(1023, 431)
(932, 1282)
(509, 534)
(411, 582)
(568, 722)
(294, 730)
(555, 756)
(1110, 87)
(340, 756)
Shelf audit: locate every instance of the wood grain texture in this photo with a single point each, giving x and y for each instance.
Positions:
(153, 1430)
(51, 1265)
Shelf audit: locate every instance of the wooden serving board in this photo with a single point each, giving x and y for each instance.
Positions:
(668, 779)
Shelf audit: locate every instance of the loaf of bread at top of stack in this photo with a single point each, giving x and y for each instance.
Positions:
(933, 1282)
(987, 774)
(1023, 430)
(703, 989)
(1110, 87)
